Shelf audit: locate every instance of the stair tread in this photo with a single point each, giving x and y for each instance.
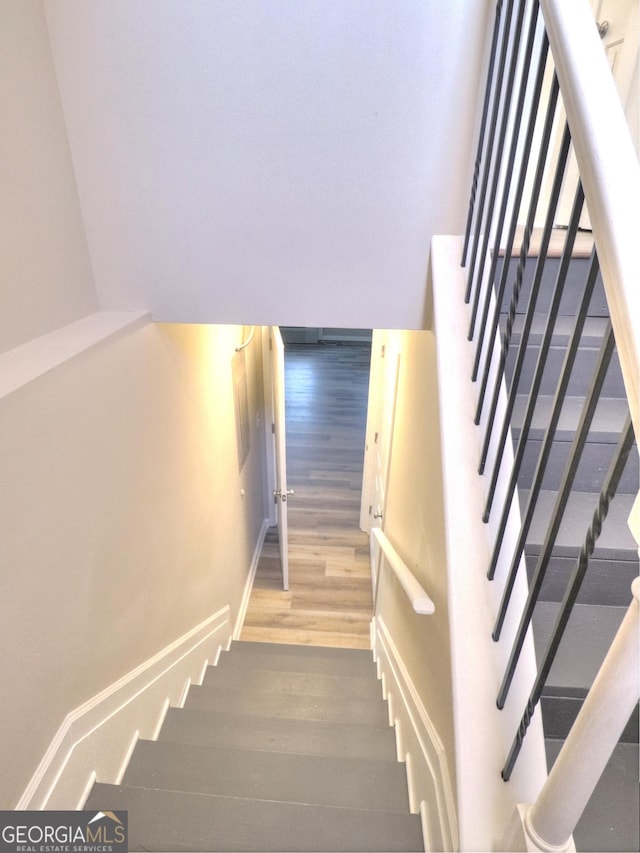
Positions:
(239, 647)
(280, 681)
(177, 821)
(217, 728)
(580, 377)
(608, 420)
(285, 777)
(594, 329)
(591, 472)
(288, 661)
(601, 826)
(588, 636)
(615, 541)
(331, 706)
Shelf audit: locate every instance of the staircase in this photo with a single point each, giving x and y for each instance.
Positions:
(281, 748)
(610, 821)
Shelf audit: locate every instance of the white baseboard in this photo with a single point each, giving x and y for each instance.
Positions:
(96, 738)
(246, 595)
(430, 789)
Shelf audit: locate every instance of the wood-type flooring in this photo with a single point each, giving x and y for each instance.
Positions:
(329, 601)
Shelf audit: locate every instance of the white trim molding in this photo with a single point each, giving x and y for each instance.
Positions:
(96, 738)
(246, 595)
(419, 745)
(37, 357)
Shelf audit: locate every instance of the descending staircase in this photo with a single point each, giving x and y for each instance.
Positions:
(611, 820)
(281, 748)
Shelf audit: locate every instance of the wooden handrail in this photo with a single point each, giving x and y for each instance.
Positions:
(419, 599)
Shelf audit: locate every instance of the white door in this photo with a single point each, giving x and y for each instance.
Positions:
(383, 391)
(280, 494)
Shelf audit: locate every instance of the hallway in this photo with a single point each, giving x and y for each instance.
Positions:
(329, 602)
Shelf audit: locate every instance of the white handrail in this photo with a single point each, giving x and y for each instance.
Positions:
(609, 172)
(419, 599)
(548, 824)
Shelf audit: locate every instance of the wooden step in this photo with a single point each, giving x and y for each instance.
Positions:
(615, 541)
(592, 469)
(606, 582)
(580, 376)
(283, 777)
(587, 638)
(295, 658)
(608, 421)
(210, 728)
(178, 821)
(318, 684)
(611, 820)
(331, 707)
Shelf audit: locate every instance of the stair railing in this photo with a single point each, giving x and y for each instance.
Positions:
(546, 55)
(419, 599)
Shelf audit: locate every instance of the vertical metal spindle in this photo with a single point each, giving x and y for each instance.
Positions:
(533, 205)
(502, 134)
(547, 444)
(543, 352)
(580, 439)
(526, 328)
(483, 125)
(489, 157)
(607, 494)
(526, 149)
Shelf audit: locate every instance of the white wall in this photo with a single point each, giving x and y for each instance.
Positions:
(269, 161)
(122, 524)
(414, 523)
(46, 279)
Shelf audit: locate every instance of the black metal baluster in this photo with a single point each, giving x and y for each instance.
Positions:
(531, 214)
(536, 382)
(483, 125)
(502, 135)
(580, 439)
(607, 494)
(547, 444)
(527, 143)
(489, 158)
(526, 328)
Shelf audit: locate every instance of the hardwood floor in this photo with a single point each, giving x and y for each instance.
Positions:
(329, 601)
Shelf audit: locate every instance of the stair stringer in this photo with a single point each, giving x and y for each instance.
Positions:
(95, 740)
(419, 745)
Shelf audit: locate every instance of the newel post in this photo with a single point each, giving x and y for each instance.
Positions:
(548, 824)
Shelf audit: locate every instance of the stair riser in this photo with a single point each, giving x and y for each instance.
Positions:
(606, 582)
(591, 472)
(573, 289)
(615, 541)
(560, 712)
(580, 378)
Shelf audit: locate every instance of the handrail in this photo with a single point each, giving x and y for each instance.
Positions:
(419, 599)
(609, 172)
(549, 822)
(248, 341)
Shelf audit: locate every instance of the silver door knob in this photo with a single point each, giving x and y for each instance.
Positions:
(377, 514)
